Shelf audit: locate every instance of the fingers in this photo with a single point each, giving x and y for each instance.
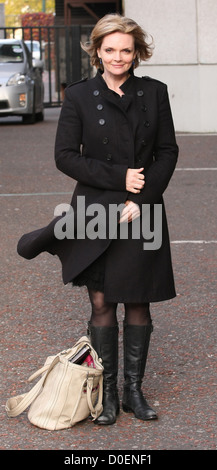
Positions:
(135, 180)
(125, 216)
(130, 212)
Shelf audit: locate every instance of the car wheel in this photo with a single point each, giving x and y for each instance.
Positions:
(40, 116)
(30, 118)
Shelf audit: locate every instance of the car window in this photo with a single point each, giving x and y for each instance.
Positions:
(35, 46)
(11, 53)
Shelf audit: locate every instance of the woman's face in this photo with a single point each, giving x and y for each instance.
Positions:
(117, 52)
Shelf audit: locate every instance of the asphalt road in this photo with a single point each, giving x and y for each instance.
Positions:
(40, 316)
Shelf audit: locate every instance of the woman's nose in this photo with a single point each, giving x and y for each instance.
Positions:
(117, 56)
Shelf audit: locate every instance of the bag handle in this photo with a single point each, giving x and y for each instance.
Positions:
(66, 353)
(16, 405)
(95, 411)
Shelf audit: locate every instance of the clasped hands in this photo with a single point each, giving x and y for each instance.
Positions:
(135, 182)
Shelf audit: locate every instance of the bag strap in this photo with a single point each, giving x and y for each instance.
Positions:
(38, 372)
(16, 405)
(66, 353)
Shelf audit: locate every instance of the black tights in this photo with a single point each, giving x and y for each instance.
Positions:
(104, 313)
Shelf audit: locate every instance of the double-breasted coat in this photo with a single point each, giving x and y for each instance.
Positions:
(99, 136)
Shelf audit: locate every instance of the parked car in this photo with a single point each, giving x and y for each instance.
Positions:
(21, 84)
(34, 48)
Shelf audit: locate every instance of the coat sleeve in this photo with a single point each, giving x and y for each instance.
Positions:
(159, 173)
(69, 160)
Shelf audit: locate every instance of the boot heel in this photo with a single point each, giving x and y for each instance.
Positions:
(126, 408)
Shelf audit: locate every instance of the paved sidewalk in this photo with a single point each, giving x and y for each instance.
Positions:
(40, 316)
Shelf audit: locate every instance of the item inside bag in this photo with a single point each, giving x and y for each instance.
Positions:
(83, 357)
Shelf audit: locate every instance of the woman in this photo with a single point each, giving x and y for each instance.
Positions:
(116, 137)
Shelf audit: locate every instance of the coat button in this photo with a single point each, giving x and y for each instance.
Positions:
(144, 143)
(109, 157)
(144, 108)
(140, 93)
(96, 92)
(102, 122)
(105, 140)
(146, 123)
(99, 107)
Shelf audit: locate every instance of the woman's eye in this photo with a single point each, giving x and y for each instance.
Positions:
(109, 49)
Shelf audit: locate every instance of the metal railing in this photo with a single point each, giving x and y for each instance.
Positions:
(59, 48)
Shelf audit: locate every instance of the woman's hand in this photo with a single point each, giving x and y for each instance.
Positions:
(135, 180)
(130, 212)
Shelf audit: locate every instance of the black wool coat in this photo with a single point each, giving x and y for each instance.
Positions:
(100, 136)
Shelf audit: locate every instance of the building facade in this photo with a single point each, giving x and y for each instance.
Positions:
(185, 57)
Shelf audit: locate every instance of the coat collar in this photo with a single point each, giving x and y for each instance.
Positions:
(122, 102)
(125, 87)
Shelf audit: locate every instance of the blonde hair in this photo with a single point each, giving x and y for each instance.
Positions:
(113, 23)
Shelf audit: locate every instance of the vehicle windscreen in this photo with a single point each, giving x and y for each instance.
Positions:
(32, 46)
(10, 53)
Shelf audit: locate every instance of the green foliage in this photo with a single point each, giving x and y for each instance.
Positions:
(15, 8)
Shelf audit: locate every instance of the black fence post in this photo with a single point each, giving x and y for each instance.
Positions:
(76, 53)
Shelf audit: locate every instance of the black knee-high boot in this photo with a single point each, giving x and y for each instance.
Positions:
(105, 341)
(136, 343)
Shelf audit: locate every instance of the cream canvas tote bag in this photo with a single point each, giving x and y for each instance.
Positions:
(66, 393)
